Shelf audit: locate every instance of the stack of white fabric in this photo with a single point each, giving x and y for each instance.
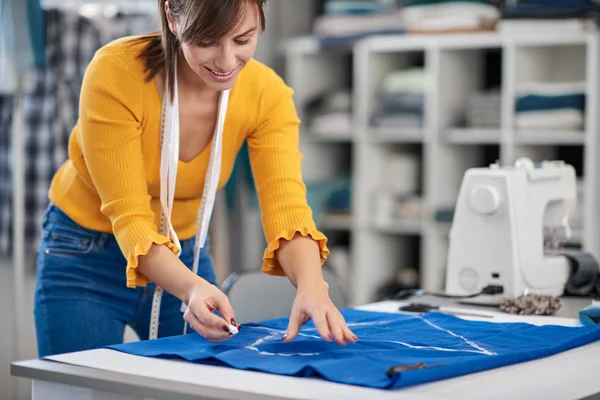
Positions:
(448, 15)
(352, 18)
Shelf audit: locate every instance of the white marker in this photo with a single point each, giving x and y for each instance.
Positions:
(233, 330)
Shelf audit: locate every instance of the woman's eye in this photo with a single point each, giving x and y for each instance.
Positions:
(242, 42)
(206, 44)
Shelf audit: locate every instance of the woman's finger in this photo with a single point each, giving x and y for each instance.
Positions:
(320, 320)
(294, 324)
(225, 309)
(336, 325)
(349, 335)
(340, 327)
(208, 318)
(212, 333)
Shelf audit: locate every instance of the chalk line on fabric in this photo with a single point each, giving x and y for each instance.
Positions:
(469, 342)
(277, 334)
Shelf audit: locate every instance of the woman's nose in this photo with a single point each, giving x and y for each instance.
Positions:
(226, 61)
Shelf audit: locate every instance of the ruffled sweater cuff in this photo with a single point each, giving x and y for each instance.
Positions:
(141, 248)
(271, 265)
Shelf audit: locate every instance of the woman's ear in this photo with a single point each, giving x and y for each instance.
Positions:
(172, 24)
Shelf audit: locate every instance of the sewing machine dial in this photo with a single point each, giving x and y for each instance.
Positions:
(468, 279)
(484, 199)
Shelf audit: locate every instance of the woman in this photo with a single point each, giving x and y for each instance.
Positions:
(154, 110)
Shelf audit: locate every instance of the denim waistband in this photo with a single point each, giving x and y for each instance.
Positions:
(56, 216)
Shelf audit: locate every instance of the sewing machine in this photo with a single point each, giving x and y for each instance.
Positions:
(508, 224)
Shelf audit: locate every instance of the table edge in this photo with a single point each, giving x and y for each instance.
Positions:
(123, 384)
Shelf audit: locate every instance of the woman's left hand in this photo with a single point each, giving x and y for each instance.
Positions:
(313, 302)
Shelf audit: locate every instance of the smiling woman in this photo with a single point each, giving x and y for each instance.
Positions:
(199, 30)
(162, 118)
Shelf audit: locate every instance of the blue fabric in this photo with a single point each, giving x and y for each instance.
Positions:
(340, 199)
(37, 31)
(412, 3)
(350, 7)
(241, 174)
(81, 298)
(448, 346)
(532, 102)
(549, 9)
(591, 314)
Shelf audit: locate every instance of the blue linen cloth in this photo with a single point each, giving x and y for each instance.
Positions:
(427, 348)
(591, 314)
(549, 9)
(535, 102)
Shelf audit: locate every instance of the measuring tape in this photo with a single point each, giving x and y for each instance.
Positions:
(169, 143)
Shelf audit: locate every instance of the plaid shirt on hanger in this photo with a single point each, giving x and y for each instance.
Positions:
(6, 111)
(51, 111)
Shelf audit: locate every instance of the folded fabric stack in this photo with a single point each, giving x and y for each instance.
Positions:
(554, 106)
(330, 113)
(329, 196)
(445, 16)
(348, 20)
(533, 16)
(484, 110)
(401, 99)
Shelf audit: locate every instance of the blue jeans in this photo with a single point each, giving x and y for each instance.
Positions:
(81, 298)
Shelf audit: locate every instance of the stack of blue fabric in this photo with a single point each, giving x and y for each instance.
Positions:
(551, 106)
(537, 16)
(550, 9)
(345, 21)
(394, 350)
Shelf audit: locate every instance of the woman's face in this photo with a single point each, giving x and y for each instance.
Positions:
(219, 62)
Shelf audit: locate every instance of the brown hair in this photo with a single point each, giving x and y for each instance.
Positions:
(205, 20)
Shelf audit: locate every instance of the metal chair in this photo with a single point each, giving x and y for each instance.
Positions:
(256, 296)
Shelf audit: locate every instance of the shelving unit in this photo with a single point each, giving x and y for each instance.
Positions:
(436, 154)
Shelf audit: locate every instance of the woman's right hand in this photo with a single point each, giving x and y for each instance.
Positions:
(204, 299)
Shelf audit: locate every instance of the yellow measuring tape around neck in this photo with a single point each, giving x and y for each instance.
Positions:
(169, 142)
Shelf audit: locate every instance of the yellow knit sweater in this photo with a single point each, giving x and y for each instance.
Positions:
(111, 181)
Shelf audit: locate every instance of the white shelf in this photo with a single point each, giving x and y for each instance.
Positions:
(395, 135)
(404, 227)
(338, 222)
(328, 136)
(472, 136)
(550, 138)
(454, 66)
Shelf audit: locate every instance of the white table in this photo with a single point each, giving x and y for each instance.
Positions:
(110, 375)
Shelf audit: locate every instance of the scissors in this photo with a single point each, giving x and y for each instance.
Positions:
(424, 308)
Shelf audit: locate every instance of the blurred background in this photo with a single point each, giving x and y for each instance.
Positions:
(398, 99)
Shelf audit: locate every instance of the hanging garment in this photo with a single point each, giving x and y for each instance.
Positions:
(17, 45)
(51, 107)
(51, 110)
(6, 113)
(393, 351)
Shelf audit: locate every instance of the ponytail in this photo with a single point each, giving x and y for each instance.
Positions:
(170, 46)
(160, 51)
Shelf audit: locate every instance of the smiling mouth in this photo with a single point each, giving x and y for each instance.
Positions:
(221, 75)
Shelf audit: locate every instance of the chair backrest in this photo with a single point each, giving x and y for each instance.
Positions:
(256, 296)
